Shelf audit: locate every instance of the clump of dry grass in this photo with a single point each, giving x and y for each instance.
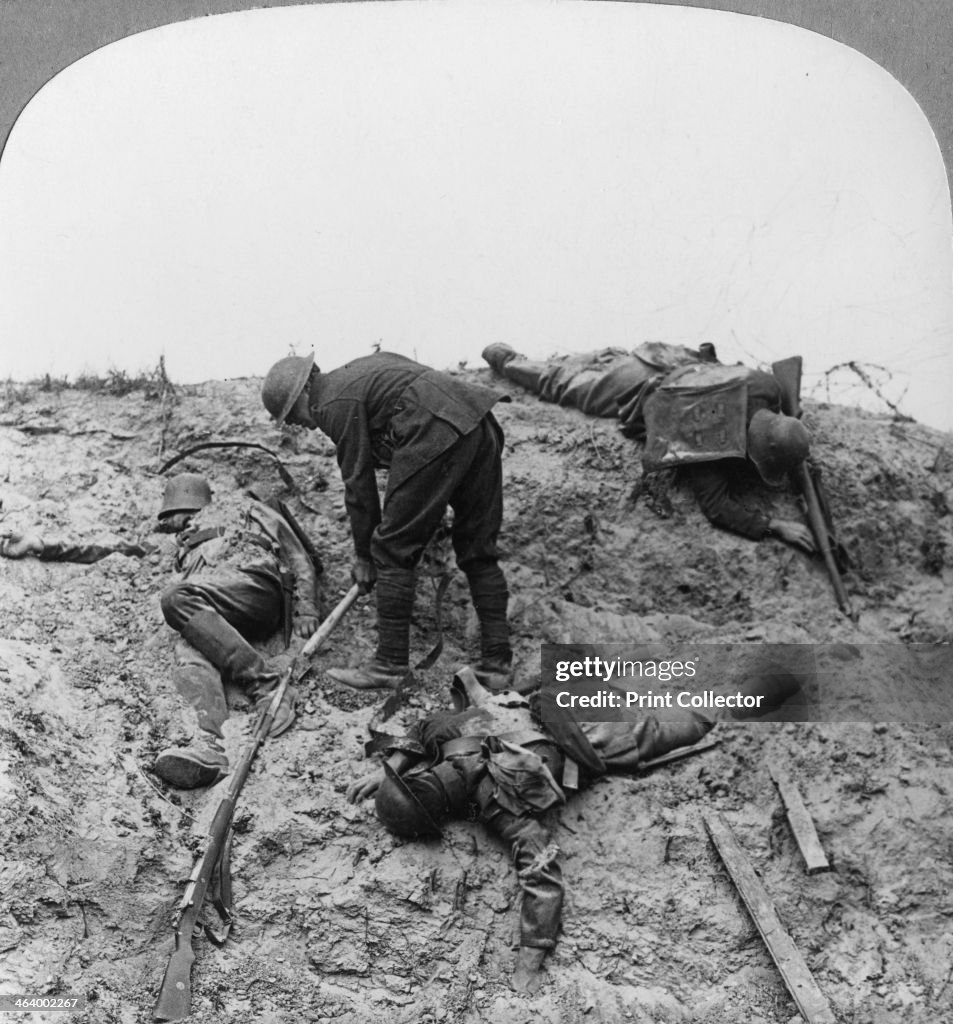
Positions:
(154, 384)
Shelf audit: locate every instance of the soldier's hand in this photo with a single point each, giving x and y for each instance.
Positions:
(364, 575)
(366, 787)
(793, 533)
(19, 545)
(304, 626)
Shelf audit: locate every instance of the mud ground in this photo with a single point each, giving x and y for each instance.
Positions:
(338, 921)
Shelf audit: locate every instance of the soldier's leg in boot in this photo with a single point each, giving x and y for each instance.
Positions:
(390, 666)
(526, 373)
(540, 878)
(552, 381)
(499, 354)
(202, 761)
(477, 517)
(217, 615)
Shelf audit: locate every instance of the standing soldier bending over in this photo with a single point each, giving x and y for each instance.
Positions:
(441, 446)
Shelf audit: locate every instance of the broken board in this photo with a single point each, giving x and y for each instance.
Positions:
(802, 825)
(797, 976)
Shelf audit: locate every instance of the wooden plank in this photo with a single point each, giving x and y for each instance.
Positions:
(797, 976)
(801, 823)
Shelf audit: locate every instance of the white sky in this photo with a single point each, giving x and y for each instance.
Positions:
(435, 177)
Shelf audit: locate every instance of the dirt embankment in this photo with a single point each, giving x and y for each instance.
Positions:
(339, 921)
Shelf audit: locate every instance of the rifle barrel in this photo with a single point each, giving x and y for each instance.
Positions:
(819, 528)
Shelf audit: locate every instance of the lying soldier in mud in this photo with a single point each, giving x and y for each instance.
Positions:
(245, 574)
(710, 420)
(495, 752)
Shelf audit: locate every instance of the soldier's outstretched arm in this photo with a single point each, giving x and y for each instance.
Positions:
(23, 545)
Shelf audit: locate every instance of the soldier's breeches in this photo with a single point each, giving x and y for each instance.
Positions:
(251, 600)
(469, 478)
(217, 616)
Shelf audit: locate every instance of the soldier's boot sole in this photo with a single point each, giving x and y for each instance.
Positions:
(186, 768)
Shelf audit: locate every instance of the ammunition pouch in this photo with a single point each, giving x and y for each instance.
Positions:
(524, 785)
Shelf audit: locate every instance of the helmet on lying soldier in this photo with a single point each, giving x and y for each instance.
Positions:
(185, 492)
(415, 804)
(777, 444)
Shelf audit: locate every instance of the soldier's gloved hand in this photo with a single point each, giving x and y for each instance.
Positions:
(304, 626)
(793, 533)
(364, 574)
(366, 787)
(19, 545)
(438, 729)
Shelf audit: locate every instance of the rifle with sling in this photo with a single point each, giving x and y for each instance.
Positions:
(788, 374)
(211, 870)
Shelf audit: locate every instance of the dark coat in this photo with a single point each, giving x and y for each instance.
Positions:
(386, 411)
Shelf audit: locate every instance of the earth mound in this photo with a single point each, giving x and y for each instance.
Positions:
(339, 921)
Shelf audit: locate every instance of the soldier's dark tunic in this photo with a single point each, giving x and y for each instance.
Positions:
(440, 444)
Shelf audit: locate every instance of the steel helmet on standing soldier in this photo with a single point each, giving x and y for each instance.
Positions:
(284, 383)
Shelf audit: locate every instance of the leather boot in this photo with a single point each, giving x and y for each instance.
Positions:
(240, 663)
(375, 675)
(498, 355)
(496, 673)
(202, 762)
(224, 647)
(390, 666)
(526, 373)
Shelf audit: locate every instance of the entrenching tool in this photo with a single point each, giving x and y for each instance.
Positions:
(211, 870)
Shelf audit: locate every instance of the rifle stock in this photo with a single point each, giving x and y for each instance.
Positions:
(175, 993)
